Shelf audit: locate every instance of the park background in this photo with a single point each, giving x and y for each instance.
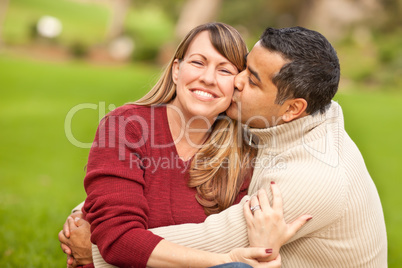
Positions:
(43, 79)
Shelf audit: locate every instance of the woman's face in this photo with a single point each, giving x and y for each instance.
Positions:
(204, 80)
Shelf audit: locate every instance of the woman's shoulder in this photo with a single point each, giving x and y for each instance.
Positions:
(130, 109)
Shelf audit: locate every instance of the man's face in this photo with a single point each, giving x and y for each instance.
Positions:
(253, 101)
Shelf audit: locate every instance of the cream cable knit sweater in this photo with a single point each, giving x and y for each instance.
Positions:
(320, 171)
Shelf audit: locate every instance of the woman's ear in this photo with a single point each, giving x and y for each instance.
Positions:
(296, 108)
(175, 70)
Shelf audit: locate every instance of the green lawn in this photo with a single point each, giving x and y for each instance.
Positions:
(41, 172)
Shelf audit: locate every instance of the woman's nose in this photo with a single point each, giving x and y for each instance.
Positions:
(208, 76)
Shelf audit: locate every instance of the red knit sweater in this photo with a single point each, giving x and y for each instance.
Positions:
(135, 180)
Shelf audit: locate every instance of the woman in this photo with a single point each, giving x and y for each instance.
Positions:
(137, 170)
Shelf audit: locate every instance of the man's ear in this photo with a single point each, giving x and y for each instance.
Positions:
(295, 108)
(175, 70)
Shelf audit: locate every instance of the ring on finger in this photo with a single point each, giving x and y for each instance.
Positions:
(254, 208)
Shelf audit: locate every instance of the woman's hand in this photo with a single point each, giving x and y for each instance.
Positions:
(75, 240)
(251, 256)
(265, 224)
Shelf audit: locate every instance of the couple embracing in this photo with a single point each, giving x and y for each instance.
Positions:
(240, 125)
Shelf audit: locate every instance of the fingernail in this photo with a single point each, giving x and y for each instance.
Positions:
(268, 251)
(309, 218)
(77, 219)
(272, 182)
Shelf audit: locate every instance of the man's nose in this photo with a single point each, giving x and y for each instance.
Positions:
(238, 82)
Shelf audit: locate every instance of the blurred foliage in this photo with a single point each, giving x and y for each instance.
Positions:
(375, 64)
(81, 21)
(393, 10)
(78, 49)
(150, 27)
(256, 15)
(170, 8)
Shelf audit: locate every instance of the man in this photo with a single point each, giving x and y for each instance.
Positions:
(284, 97)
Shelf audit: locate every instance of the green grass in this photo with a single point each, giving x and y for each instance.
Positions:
(41, 172)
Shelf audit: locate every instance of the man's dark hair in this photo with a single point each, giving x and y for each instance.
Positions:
(312, 71)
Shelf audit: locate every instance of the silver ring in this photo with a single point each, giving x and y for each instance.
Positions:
(254, 208)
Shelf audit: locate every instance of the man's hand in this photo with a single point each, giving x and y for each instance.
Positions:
(75, 240)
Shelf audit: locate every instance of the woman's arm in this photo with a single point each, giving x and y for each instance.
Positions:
(116, 206)
(167, 254)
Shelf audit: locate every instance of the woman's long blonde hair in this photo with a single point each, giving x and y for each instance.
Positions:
(221, 166)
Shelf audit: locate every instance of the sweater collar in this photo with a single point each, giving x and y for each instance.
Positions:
(296, 132)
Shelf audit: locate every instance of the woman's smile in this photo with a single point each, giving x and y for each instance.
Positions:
(203, 94)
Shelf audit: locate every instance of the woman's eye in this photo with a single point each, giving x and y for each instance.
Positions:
(196, 62)
(226, 71)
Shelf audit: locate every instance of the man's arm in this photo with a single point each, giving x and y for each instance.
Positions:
(219, 233)
(78, 207)
(306, 193)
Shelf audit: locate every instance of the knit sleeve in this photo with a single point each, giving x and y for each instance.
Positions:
(308, 186)
(116, 206)
(220, 233)
(319, 191)
(78, 207)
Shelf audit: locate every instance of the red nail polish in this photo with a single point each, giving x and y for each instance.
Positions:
(309, 218)
(272, 182)
(268, 251)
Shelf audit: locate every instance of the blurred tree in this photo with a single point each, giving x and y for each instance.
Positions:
(187, 13)
(394, 11)
(172, 7)
(249, 17)
(116, 23)
(337, 18)
(120, 9)
(3, 11)
(196, 12)
(192, 14)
